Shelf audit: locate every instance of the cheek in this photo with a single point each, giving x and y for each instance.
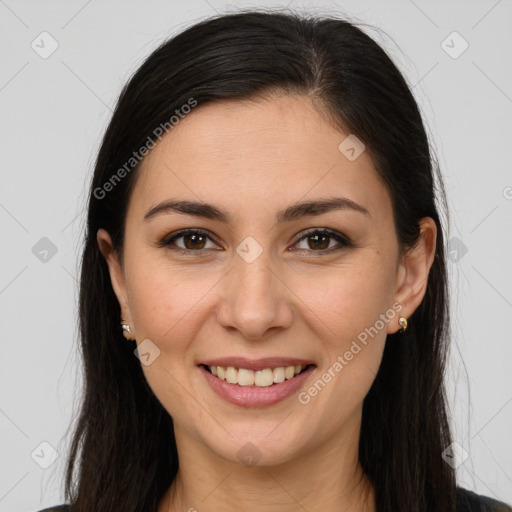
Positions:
(347, 298)
(164, 310)
(352, 310)
(165, 300)
(353, 345)
(168, 305)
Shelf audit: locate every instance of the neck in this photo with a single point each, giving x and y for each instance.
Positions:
(325, 478)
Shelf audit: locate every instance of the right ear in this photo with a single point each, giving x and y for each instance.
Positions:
(115, 268)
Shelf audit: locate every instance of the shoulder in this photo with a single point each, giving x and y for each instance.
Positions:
(59, 508)
(468, 501)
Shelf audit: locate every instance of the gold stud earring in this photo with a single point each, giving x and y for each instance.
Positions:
(403, 323)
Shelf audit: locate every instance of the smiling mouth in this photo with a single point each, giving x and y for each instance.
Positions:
(256, 378)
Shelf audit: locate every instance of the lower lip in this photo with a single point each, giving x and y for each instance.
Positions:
(254, 396)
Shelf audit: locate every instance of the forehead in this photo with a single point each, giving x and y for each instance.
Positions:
(254, 153)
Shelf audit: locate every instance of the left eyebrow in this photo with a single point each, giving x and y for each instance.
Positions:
(293, 212)
(319, 207)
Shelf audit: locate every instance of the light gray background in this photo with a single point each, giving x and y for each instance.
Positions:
(54, 112)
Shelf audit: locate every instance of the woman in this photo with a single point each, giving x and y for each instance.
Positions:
(263, 230)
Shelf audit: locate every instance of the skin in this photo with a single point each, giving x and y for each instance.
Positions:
(253, 159)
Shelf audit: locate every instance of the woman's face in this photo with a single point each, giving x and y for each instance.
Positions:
(263, 280)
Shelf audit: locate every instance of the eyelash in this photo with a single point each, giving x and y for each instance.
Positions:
(341, 239)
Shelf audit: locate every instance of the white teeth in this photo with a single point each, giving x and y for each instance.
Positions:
(278, 375)
(261, 378)
(231, 375)
(289, 372)
(245, 377)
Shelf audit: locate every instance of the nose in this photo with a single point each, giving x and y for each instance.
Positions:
(256, 301)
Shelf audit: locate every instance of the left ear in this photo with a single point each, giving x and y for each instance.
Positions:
(413, 271)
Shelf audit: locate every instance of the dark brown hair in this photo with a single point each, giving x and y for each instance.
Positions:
(123, 455)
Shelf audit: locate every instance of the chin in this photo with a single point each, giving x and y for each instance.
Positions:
(270, 445)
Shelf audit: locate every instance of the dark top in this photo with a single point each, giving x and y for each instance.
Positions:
(467, 501)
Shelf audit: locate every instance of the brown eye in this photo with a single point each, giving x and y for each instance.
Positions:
(193, 240)
(319, 241)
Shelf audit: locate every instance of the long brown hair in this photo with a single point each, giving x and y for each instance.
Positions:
(123, 455)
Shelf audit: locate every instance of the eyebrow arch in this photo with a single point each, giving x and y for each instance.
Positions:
(293, 212)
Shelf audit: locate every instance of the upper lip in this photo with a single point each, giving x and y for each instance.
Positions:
(256, 364)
